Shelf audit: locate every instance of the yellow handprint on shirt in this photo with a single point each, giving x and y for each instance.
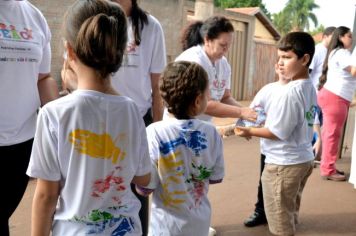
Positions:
(172, 170)
(96, 145)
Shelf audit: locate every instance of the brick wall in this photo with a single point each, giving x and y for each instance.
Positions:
(54, 10)
(163, 10)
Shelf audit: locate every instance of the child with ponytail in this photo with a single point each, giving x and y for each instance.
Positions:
(90, 145)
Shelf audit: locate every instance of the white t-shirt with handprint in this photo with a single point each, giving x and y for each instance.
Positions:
(93, 144)
(186, 155)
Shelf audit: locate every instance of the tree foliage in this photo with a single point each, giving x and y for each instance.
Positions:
(301, 13)
(282, 22)
(296, 16)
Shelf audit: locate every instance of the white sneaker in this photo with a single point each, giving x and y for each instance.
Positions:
(212, 231)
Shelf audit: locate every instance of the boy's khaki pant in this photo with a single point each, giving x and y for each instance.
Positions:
(282, 192)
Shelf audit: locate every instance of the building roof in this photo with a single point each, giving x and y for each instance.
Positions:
(256, 11)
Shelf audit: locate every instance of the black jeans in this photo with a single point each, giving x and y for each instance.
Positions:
(259, 206)
(143, 213)
(14, 160)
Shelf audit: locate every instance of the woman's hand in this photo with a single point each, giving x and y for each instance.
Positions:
(248, 114)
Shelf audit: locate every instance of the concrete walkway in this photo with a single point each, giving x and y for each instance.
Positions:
(328, 208)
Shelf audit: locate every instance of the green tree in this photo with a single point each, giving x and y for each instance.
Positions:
(282, 22)
(301, 14)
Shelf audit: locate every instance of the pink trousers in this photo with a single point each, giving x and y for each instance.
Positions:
(335, 111)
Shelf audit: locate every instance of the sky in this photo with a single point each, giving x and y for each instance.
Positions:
(331, 12)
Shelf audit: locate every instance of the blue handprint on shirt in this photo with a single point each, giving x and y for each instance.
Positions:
(193, 139)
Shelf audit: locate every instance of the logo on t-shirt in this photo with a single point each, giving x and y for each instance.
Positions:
(132, 55)
(11, 33)
(310, 115)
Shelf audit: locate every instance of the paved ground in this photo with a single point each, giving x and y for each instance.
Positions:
(328, 208)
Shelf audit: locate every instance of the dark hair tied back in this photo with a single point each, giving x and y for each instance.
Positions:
(96, 45)
(97, 32)
(335, 44)
(211, 29)
(181, 82)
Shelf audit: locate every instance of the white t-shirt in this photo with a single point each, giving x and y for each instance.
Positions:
(264, 99)
(93, 144)
(317, 63)
(291, 119)
(134, 76)
(339, 81)
(24, 53)
(186, 154)
(219, 73)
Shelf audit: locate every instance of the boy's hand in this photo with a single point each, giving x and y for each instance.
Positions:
(243, 132)
(248, 114)
(317, 149)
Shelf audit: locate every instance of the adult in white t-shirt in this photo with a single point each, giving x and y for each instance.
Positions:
(206, 44)
(339, 84)
(25, 59)
(321, 49)
(144, 60)
(90, 145)
(138, 77)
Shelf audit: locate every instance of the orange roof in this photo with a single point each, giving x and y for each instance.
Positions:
(245, 10)
(256, 12)
(318, 37)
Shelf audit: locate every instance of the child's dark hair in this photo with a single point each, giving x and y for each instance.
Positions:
(180, 84)
(300, 43)
(211, 28)
(97, 32)
(335, 43)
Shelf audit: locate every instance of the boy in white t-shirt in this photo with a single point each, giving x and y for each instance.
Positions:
(263, 99)
(288, 134)
(187, 154)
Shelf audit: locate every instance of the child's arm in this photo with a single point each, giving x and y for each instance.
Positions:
(151, 186)
(262, 132)
(43, 207)
(217, 150)
(140, 183)
(143, 180)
